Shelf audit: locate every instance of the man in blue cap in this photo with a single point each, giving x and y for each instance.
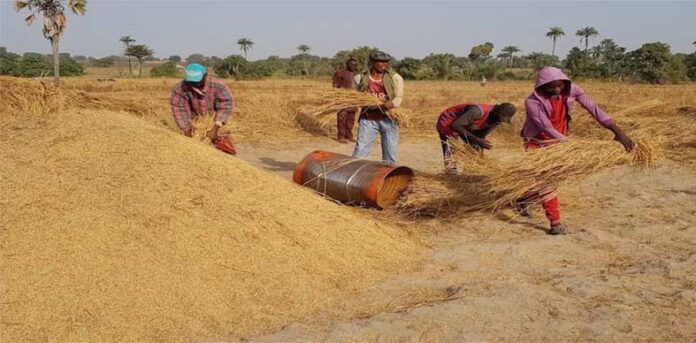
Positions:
(200, 94)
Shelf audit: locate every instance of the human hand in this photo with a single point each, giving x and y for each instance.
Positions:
(483, 143)
(626, 141)
(388, 105)
(213, 133)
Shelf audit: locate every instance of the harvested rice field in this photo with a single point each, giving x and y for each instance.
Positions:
(115, 227)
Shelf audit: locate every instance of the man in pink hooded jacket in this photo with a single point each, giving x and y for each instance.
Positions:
(548, 116)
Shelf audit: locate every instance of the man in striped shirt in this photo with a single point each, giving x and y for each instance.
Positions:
(200, 94)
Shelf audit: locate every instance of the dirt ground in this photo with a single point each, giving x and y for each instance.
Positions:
(624, 272)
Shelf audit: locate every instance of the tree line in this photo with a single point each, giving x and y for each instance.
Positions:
(653, 62)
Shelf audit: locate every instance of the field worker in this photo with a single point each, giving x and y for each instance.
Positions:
(549, 110)
(345, 119)
(472, 122)
(385, 84)
(200, 94)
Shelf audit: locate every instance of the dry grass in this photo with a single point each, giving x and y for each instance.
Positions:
(316, 113)
(487, 185)
(113, 229)
(26, 97)
(116, 230)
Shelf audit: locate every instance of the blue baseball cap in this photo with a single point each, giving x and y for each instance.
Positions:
(194, 72)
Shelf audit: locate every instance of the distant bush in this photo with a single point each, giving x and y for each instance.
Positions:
(33, 64)
(104, 62)
(166, 69)
(654, 63)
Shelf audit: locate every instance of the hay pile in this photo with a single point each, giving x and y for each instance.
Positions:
(26, 97)
(487, 185)
(115, 230)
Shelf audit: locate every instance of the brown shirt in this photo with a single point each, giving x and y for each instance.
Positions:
(343, 79)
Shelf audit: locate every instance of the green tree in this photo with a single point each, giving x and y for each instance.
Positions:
(579, 64)
(127, 40)
(361, 54)
(509, 52)
(309, 65)
(166, 69)
(69, 66)
(408, 68)
(9, 62)
(262, 68)
(245, 44)
(104, 62)
(234, 66)
(690, 62)
(610, 57)
(196, 58)
(442, 65)
(654, 63)
(554, 33)
(481, 52)
(174, 58)
(139, 51)
(34, 65)
(585, 33)
(538, 60)
(53, 12)
(304, 48)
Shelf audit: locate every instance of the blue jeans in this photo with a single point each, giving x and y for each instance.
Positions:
(367, 133)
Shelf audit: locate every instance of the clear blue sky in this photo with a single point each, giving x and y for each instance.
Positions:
(412, 28)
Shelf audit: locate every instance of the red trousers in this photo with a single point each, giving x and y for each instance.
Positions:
(345, 120)
(553, 210)
(547, 196)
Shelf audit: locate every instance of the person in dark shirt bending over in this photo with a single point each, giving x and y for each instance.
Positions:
(472, 122)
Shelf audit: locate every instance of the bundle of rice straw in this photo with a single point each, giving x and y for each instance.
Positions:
(202, 124)
(330, 101)
(325, 103)
(547, 167)
(486, 185)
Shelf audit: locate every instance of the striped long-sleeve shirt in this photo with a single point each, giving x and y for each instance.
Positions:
(187, 101)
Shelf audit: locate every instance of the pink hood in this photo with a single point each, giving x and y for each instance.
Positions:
(550, 74)
(538, 107)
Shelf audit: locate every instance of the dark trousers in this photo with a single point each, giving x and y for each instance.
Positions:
(345, 121)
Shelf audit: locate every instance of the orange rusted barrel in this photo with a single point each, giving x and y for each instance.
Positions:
(352, 181)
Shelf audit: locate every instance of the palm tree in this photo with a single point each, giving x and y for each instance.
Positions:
(510, 51)
(303, 48)
(127, 40)
(245, 44)
(139, 51)
(53, 12)
(585, 33)
(554, 33)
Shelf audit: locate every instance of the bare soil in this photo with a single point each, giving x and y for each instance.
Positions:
(624, 271)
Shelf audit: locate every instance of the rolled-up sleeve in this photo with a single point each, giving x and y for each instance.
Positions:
(398, 90)
(181, 109)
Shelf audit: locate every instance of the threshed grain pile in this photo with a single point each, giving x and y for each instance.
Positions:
(116, 230)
